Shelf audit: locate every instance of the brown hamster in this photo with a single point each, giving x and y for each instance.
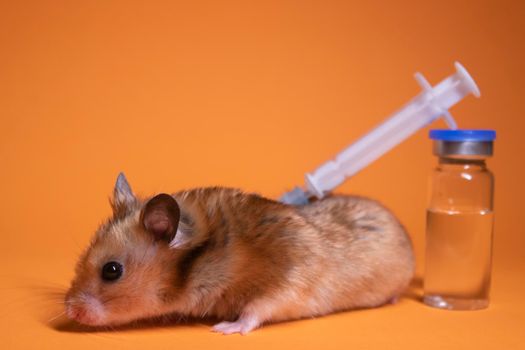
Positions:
(238, 257)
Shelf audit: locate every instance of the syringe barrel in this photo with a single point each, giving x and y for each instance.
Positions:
(367, 149)
(420, 111)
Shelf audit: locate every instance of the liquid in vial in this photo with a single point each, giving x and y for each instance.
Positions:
(458, 259)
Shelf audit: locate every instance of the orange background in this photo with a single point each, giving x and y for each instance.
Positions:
(248, 94)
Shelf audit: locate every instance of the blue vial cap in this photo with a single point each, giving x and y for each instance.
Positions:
(462, 135)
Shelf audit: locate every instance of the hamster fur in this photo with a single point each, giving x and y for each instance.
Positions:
(241, 258)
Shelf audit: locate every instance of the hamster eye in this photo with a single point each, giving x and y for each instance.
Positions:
(111, 271)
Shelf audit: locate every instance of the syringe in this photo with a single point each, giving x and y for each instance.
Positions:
(426, 107)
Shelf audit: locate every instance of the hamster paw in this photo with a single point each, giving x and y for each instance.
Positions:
(394, 300)
(242, 326)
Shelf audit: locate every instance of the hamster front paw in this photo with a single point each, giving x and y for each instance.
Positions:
(243, 326)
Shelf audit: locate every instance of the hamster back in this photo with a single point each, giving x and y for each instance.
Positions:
(277, 262)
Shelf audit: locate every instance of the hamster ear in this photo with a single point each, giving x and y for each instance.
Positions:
(123, 198)
(160, 216)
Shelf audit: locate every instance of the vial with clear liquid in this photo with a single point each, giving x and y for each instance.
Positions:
(460, 221)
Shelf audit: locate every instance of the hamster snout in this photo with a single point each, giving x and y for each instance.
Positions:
(239, 257)
(84, 309)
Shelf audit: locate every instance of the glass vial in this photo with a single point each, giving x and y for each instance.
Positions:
(460, 221)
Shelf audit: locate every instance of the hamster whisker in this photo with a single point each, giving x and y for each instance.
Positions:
(55, 317)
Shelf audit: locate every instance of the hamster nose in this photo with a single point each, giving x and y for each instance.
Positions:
(81, 315)
(85, 309)
(75, 312)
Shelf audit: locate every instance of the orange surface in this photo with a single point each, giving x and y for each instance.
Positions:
(188, 93)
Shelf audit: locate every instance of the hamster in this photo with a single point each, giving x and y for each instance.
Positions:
(240, 258)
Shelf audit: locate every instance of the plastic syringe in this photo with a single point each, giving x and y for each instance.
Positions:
(429, 105)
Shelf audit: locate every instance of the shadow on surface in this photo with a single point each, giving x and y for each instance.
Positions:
(69, 326)
(415, 289)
